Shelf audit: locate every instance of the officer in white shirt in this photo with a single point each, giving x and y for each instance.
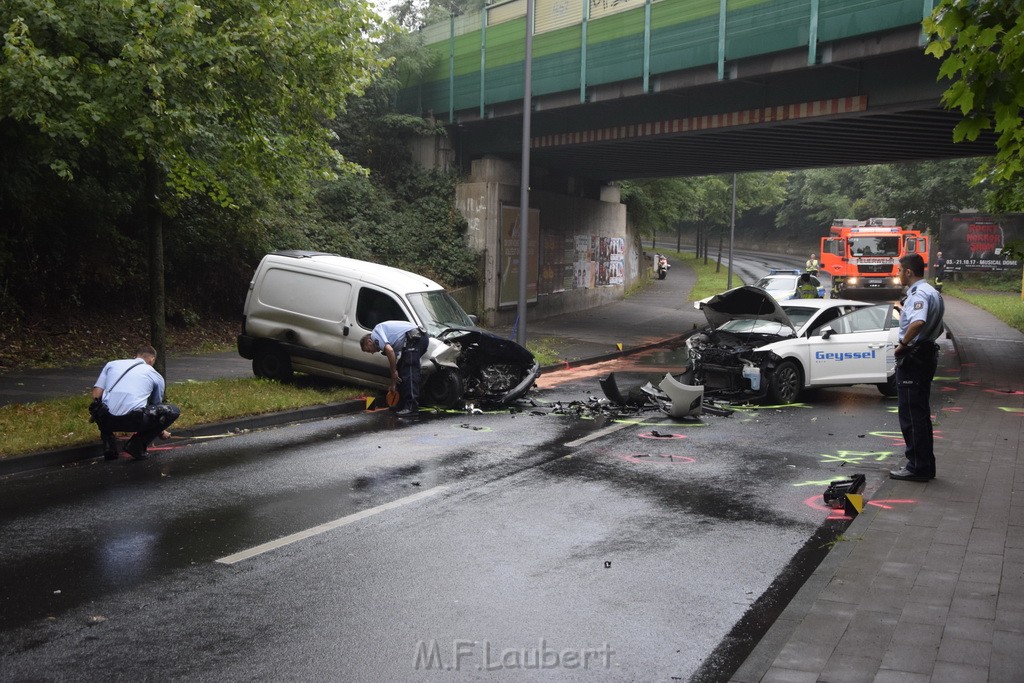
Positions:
(916, 360)
(129, 396)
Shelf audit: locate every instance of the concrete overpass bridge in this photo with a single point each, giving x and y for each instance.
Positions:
(654, 88)
(628, 89)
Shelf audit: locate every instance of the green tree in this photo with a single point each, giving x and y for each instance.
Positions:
(981, 45)
(657, 205)
(815, 197)
(917, 194)
(227, 100)
(713, 208)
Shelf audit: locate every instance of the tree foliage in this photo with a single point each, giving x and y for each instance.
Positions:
(656, 205)
(981, 45)
(227, 98)
(252, 109)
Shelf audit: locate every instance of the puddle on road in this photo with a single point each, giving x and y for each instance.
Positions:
(673, 357)
(120, 555)
(654, 363)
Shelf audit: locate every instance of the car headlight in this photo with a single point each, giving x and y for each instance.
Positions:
(851, 281)
(896, 281)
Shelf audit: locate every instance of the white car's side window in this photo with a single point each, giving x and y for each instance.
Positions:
(863, 320)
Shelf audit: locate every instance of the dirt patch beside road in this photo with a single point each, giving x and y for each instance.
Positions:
(81, 338)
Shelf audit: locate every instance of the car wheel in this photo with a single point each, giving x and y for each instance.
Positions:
(888, 388)
(785, 383)
(444, 388)
(272, 362)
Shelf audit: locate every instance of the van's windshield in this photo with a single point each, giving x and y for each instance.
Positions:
(439, 311)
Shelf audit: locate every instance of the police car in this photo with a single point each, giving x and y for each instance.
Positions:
(782, 284)
(758, 348)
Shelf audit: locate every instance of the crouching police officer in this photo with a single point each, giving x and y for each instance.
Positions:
(128, 397)
(916, 360)
(403, 343)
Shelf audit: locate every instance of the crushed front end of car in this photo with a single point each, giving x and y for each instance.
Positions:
(491, 370)
(727, 356)
(729, 364)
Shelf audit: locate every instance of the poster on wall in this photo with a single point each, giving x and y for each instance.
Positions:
(617, 261)
(974, 242)
(508, 293)
(610, 259)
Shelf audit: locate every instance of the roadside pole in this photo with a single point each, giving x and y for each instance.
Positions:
(524, 177)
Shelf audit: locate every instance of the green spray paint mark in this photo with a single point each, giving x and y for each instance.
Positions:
(782, 405)
(856, 456)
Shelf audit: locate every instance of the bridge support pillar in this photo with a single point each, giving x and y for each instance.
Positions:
(583, 253)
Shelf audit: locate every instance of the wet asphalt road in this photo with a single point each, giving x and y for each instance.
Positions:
(606, 551)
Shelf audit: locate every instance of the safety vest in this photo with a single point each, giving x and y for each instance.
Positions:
(812, 264)
(807, 291)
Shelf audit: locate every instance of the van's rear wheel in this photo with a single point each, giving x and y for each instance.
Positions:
(785, 382)
(444, 388)
(272, 362)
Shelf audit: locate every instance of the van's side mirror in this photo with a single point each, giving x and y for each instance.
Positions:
(473, 319)
(827, 332)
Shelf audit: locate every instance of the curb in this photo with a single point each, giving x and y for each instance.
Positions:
(20, 464)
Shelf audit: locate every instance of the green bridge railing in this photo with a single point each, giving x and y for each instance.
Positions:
(582, 43)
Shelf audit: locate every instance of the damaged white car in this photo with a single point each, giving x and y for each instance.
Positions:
(753, 349)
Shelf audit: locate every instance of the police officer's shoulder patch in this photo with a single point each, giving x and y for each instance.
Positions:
(918, 305)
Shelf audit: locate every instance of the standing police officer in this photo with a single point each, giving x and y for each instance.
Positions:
(403, 343)
(811, 265)
(916, 360)
(940, 270)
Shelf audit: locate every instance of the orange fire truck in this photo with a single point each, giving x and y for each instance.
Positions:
(864, 255)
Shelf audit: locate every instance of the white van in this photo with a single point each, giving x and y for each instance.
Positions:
(306, 311)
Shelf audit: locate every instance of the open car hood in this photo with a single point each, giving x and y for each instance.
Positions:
(744, 303)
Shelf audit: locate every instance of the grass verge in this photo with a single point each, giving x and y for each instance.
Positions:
(711, 278)
(1007, 306)
(65, 422)
(60, 423)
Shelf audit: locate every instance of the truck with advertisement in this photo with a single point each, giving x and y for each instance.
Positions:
(863, 256)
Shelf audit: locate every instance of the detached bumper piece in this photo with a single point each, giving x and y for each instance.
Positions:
(677, 399)
(845, 495)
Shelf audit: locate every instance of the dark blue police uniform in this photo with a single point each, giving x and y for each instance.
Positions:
(914, 373)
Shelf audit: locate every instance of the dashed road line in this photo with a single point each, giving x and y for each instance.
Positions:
(327, 526)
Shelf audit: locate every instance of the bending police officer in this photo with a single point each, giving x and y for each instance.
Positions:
(403, 343)
(130, 395)
(916, 360)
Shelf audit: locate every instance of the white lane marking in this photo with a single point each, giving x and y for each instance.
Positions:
(327, 526)
(598, 434)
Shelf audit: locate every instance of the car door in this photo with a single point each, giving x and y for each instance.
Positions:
(372, 306)
(856, 348)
